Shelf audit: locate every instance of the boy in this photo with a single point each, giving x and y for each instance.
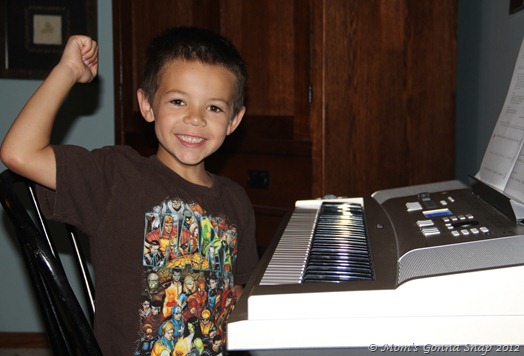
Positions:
(140, 211)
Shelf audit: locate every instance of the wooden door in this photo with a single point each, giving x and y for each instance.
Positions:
(383, 76)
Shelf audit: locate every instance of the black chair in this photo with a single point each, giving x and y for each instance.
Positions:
(68, 328)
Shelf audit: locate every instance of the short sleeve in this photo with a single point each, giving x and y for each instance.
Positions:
(84, 184)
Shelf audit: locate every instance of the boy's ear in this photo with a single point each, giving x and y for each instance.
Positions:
(235, 121)
(145, 106)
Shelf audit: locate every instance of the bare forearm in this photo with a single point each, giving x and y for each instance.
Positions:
(35, 121)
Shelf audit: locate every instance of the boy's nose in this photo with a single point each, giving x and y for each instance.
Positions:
(195, 119)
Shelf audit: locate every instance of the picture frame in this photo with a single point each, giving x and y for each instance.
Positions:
(34, 33)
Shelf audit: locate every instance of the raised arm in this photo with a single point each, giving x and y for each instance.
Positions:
(26, 147)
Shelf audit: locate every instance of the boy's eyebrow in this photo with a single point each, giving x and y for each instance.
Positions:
(181, 92)
(176, 91)
(222, 100)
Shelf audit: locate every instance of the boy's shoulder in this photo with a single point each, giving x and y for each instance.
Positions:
(227, 182)
(232, 190)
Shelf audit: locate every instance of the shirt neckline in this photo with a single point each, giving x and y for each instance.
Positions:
(168, 172)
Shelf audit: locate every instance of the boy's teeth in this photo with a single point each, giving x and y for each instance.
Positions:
(191, 139)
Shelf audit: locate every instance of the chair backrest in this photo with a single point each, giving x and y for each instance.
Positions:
(68, 328)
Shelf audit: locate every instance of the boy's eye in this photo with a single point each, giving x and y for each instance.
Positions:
(177, 102)
(215, 109)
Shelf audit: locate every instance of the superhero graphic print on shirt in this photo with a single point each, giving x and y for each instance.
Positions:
(188, 281)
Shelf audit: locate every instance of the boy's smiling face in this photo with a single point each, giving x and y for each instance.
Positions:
(193, 113)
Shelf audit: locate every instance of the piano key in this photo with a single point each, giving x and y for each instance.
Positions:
(322, 245)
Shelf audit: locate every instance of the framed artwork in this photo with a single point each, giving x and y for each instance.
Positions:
(34, 33)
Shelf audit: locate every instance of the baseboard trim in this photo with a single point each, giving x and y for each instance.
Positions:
(24, 340)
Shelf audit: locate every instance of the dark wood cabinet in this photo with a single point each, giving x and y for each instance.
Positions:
(344, 96)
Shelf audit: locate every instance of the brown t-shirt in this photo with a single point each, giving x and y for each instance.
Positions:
(166, 253)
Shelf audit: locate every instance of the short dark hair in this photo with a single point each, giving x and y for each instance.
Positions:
(193, 44)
